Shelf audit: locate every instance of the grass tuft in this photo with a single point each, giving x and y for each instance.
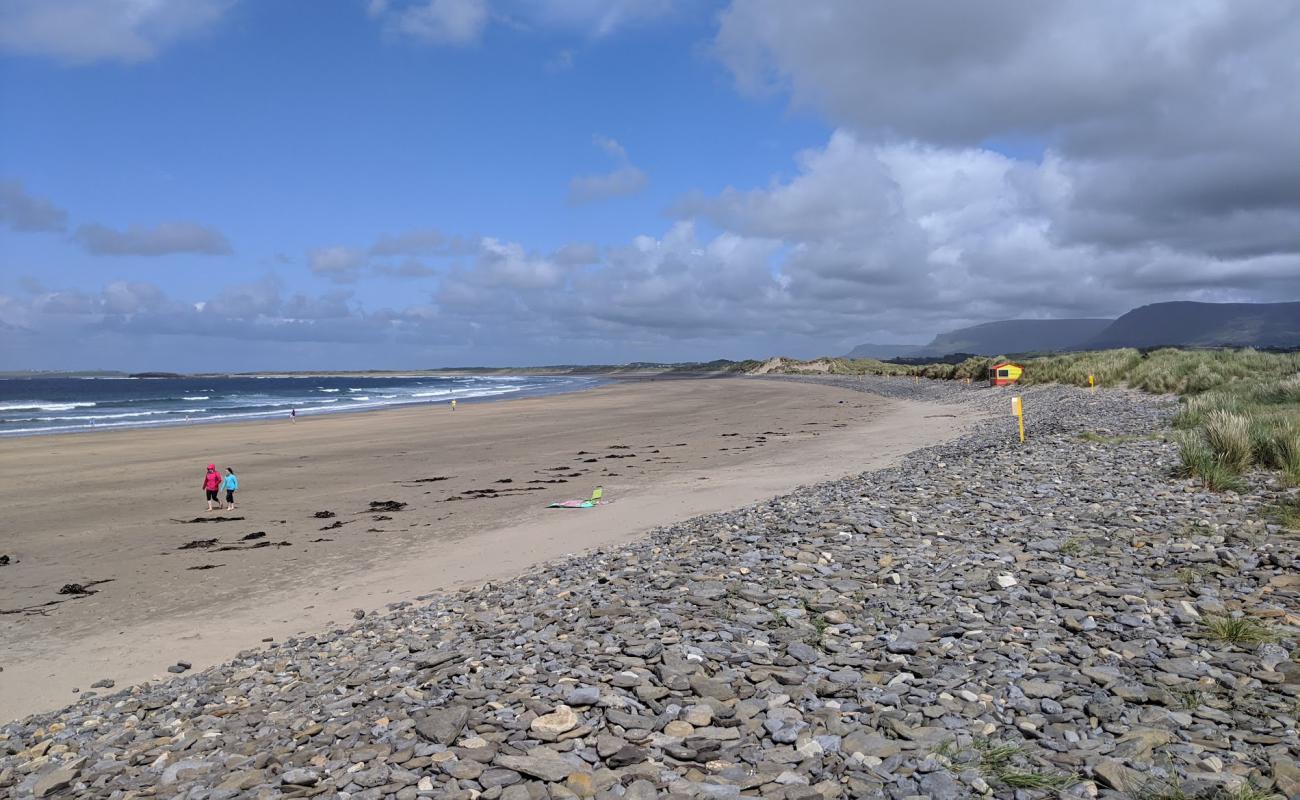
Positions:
(1228, 436)
(1072, 546)
(1237, 630)
(996, 763)
(1287, 513)
(1198, 460)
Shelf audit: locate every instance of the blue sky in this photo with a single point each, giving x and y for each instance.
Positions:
(575, 180)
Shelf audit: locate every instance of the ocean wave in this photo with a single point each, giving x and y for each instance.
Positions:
(235, 403)
(42, 405)
(124, 415)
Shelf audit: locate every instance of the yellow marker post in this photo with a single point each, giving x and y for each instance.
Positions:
(1092, 383)
(1018, 409)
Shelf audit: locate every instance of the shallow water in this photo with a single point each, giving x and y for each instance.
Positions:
(66, 405)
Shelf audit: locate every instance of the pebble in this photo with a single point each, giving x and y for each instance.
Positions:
(863, 637)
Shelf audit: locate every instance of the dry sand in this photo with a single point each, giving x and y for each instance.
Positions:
(103, 507)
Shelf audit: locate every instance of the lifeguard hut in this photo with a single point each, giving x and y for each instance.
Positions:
(1005, 373)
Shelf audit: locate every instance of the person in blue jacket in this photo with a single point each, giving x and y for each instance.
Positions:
(231, 483)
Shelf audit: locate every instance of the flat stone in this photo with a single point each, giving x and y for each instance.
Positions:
(52, 782)
(442, 725)
(539, 765)
(1112, 774)
(1039, 689)
(299, 777)
(559, 721)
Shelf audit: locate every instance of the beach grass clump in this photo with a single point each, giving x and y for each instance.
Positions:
(1240, 408)
(1197, 460)
(1287, 514)
(1237, 630)
(1228, 436)
(996, 762)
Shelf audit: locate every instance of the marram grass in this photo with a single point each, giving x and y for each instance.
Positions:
(1240, 408)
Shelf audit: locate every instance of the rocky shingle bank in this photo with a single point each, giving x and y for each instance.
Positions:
(985, 619)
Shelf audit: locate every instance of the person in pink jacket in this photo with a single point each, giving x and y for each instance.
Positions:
(212, 486)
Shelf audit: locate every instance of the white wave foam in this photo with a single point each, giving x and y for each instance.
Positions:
(196, 397)
(41, 405)
(124, 415)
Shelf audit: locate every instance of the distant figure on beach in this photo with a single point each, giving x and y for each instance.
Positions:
(212, 486)
(293, 415)
(453, 404)
(231, 483)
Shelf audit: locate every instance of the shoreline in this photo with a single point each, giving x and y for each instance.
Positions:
(150, 610)
(309, 412)
(876, 635)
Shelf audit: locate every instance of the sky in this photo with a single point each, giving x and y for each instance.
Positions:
(201, 185)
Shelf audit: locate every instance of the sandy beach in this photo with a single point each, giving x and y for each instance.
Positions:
(105, 510)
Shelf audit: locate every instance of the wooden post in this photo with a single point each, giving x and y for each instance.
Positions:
(1018, 408)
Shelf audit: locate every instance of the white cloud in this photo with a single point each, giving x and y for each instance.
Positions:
(625, 179)
(422, 241)
(1174, 122)
(83, 31)
(598, 17)
(339, 264)
(21, 211)
(448, 22)
(164, 239)
(463, 22)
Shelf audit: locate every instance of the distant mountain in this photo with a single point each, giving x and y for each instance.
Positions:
(1017, 336)
(1204, 325)
(884, 351)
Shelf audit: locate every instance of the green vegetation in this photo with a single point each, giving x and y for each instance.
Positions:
(1237, 425)
(1172, 789)
(995, 762)
(1287, 513)
(1072, 546)
(1240, 408)
(1237, 630)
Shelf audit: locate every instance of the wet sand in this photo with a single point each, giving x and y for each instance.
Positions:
(85, 508)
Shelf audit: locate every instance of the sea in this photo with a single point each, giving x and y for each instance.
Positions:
(43, 405)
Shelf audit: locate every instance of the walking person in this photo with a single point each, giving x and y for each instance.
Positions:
(293, 415)
(231, 483)
(212, 486)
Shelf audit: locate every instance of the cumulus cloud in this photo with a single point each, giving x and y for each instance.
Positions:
(340, 264)
(399, 255)
(21, 211)
(463, 22)
(447, 22)
(1172, 125)
(1158, 162)
(82, 31)
(164, 239)
(599, 17)
(422, 241)
(625, 179)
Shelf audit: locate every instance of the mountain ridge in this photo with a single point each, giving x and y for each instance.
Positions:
(1176, 323)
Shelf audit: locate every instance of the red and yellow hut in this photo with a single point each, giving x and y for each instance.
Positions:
(1005, 373)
